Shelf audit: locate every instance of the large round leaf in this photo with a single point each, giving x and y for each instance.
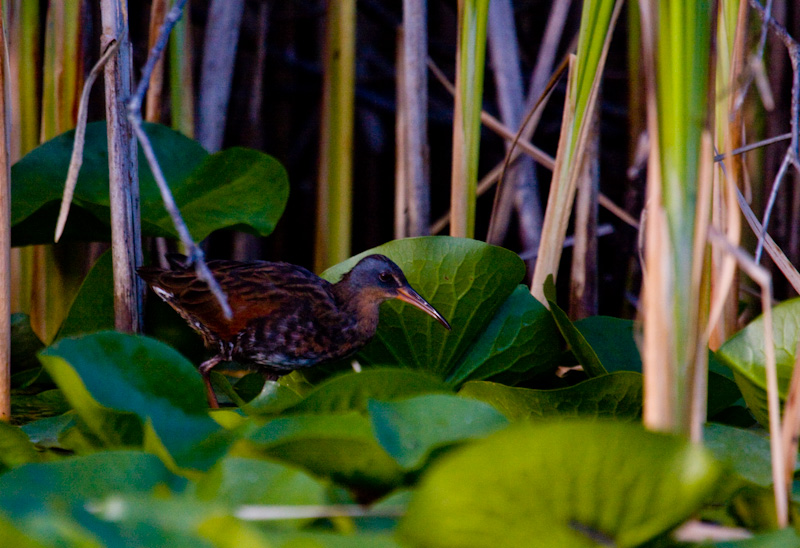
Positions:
(747, 453)
(465, 280)
(50, 501)
(616, 395)
(236, 188)
(37, 182)
(411, 429)
(744, 354)
(341, 447)
(565, 484)
(238, 481)
(116, 382)
(612, 340)
(521, 341)
(93, 307)
(352, 391)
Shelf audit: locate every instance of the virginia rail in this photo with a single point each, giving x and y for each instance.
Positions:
(284, 317)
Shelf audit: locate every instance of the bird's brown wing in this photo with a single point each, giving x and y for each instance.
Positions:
(255, 290)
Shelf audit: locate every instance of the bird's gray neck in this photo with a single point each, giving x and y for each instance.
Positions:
(359, 311)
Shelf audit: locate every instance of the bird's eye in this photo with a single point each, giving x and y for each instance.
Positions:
(385, 277)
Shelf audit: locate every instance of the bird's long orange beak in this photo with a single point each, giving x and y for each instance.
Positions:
(408, 295)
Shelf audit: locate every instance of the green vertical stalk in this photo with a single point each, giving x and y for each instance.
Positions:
(54, 283)
(676, 285)
(180, 76)
(23, 31)
(335, 192)
(473, 16)
(25, 66)
(597, 22)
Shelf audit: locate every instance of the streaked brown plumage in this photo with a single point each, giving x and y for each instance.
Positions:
(284, 317)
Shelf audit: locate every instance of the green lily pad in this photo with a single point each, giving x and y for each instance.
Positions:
(745, 451)
(783, 538)
(37, 183)
(522, 338)
(341, 447)
(612, 341)
(352, 391)
(565, 484)
(81, 478)
(465, 280)
(744, 354)
(580, 347)
(236, 188)
(15, 447)
(236, 481)
(273, 399)
(616, 395)
(24, 344)
(13, 536)
(27, 407)
(52, 502)
(411, 429)
(47, 432)
(93, 307)
(118, 382)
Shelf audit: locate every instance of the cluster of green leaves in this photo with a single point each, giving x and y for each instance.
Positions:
(210, 190)
(467, 435)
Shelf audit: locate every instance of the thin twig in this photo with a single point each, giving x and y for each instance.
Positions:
(5, 231)
(497, 126)
(774, 251)
(752, 146)
(80, 134)
(602, 230)
(194, 252)
(773, 194)
(699, 532)
(792, 154)
(791, 421)
(793, 49)
(763, 278)
(276, 512)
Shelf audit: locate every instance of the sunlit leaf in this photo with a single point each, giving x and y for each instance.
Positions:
(744, 354)
(15, 447)
(567, 484)
(117, 382)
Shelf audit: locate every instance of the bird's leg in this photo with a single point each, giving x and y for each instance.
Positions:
(205, 371)
(269, 375)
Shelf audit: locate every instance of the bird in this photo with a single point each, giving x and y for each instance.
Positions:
(284, 316)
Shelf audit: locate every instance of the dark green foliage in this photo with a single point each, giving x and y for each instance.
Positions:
(133, 457)
(237, 188)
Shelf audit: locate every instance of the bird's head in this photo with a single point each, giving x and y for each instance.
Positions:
(376, 278)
